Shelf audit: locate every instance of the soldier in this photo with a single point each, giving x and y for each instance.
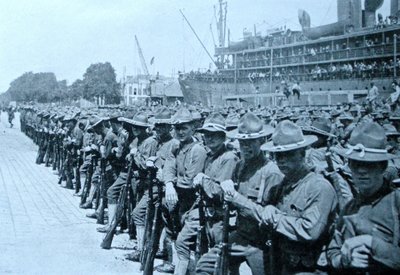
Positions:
(146, 148)
(183, 163)
(366, 239)
(254, 176)
(299, 209)
(219, 166)
(103, 128)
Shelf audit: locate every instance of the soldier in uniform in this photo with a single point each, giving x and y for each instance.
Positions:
(300, 209)
(146, 148)
(183, 163)
(366, 239)
(253, 176)
(219, 166)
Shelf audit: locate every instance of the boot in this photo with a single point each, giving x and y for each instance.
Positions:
(166, 267)
(181, 267)
(92, 192)
(112, 210)
(69, 184)
(86, 205)
(135, 256)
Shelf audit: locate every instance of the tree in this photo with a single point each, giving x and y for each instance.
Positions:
(75, 91)
(40, 87)
(100, 80)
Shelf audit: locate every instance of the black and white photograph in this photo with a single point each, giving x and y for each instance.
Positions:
(209, 137)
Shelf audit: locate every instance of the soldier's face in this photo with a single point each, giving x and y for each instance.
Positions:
(250, 148)
(290, 161)
(214, 140)
(184, 131)
(137, 131)
(162, 130)
(367, 176)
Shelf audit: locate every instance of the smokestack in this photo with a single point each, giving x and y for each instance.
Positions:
(371, 6)
(350, 10)
(394, 7)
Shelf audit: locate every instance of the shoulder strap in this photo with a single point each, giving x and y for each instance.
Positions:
(264, 174)
(395, 212)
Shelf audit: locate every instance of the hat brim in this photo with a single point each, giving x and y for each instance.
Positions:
(91, 127)
(271, 147)
(210, 129)
(312, 129)
(266, 131)
(182, 121)
(162, 121)
(134, 122)
(367, 157)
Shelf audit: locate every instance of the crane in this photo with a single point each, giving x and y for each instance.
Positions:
(142, 60)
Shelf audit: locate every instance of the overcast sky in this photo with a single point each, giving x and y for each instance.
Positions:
(66, 36)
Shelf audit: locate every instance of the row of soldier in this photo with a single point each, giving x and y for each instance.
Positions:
(288, 192)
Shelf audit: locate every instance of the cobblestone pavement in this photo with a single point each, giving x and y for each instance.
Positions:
(43, 231)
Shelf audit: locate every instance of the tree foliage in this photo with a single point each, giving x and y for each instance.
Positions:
(100, 80)
(40, 87)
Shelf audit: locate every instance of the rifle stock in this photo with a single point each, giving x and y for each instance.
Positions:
(155, 233)
(149, 218)
(102, 199)
(222, 263)
(123, 197)
(201, 241)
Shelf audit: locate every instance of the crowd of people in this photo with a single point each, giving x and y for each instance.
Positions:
(307, 190)
(355, 70)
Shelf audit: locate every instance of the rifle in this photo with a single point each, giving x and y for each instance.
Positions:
(122, 200)
(149, 218)
(151, 247)
(77, 171)
(88, 181)
(334, 178)
(201, 240)
(222, 263)
(102, 192)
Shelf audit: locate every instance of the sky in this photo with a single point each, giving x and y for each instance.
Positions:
(67, 36)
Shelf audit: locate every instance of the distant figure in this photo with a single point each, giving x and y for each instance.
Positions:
(285, 88)
(372, 96)
(296, 90)
(10, 116)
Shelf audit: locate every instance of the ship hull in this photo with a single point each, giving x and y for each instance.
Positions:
(212, 93)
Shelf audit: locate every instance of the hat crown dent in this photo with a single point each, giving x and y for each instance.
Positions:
(215, 118)
(140, 117)
(370, 135)
(183, 115)
(323, 124)
(163, 113)
(287, 133)
(250, 124)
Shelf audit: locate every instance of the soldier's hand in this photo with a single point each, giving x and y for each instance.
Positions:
(170, 194)
(133, 151)
(354, 249)
(360, 257)
(94, 147)
(129, 157)
(228, 186)
(198, 179)
(114, 150)
(268, 215)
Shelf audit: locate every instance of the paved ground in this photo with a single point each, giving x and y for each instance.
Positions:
(43, 231)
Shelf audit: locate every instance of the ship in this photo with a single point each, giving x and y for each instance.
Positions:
(332, 63)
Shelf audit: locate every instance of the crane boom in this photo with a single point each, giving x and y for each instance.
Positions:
(142, 60)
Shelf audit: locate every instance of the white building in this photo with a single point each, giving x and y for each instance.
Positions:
(136, 88)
